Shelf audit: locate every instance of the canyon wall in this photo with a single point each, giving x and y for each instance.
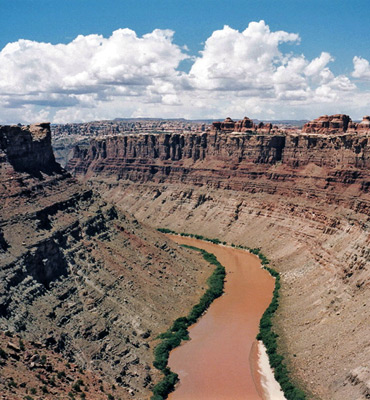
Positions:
(303, 198)
(80, 277)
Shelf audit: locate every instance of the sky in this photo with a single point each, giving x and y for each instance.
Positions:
(82, 60)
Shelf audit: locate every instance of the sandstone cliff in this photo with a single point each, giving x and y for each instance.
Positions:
(304, 199)
(79, 276)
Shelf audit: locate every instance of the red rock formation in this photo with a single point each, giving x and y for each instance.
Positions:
(244, 125)
(336, 124)
(328, 124)
(364, 125)
(227, 126)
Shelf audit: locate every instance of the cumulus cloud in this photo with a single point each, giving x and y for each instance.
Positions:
(361, 68)
(94, 77)
(239, 60)
(63, 74)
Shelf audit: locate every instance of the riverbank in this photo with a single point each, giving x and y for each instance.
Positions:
(271, 390)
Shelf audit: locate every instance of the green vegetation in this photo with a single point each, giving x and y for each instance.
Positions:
(192, 235)
(266, 333)
(268, 337)
(179, 329)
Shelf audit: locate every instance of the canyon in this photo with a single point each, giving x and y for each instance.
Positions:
(302, 196)
(84, 287)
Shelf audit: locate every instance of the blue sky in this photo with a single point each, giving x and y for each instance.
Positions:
(338, 29)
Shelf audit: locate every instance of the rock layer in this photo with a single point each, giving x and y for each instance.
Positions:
(80, 276)
(304, 199)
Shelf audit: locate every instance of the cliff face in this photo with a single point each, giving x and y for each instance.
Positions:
(304, 199)
(79, 276)
(28, 149)
(337, 151)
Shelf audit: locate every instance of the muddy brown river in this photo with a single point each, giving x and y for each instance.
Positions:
(218, 362)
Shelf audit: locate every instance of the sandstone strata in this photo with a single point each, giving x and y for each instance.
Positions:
(79, 276)
(304, 199)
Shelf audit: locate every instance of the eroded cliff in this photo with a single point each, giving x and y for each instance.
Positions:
(303, 198)
(79, 276)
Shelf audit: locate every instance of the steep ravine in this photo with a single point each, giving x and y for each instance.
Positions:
(81, 277)
(302, 198)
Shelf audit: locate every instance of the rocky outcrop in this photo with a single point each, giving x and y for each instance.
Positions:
(28, 148)
(244, 125)
(328, 124)
(304, 199)
(336, 124)
(364, 125)
(79, 276)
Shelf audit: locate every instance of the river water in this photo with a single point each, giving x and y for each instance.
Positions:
(220, 360)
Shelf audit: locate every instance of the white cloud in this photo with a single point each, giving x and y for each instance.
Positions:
(317, 65)
(233, 60)
(88, 69)
(361, 68)
(93, 77)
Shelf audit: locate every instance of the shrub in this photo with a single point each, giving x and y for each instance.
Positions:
(268, 337)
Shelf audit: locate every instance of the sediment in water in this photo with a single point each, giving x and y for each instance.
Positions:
(214, 364)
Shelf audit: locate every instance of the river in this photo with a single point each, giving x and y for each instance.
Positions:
(220, 362)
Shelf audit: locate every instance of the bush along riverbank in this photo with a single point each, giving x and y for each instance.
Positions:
(266, 333)
(179, 329)
(268, 337)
